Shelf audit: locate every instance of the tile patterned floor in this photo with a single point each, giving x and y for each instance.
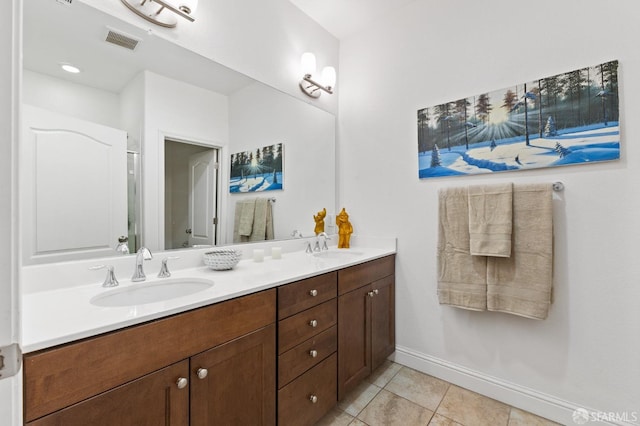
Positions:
(397, 395)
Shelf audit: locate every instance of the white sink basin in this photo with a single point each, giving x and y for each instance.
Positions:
(343, 254)
(157, 291)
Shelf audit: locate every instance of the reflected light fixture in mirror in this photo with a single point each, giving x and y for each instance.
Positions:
(69, 68)
(162, 12)
(308, 85)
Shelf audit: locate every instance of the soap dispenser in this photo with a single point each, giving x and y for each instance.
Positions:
(123, 246)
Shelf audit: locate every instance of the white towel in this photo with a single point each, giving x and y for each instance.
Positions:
(522, 284)
(461, 276)
(490, 219)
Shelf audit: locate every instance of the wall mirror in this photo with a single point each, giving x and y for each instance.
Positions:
(138, 143)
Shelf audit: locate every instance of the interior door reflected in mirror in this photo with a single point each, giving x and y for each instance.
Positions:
(191, 190)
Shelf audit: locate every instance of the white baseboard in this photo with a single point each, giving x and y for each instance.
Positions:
(527, 399)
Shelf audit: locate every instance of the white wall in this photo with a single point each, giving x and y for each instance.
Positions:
(10, 41)
(260, 116)
(263, 39)
(180, 111)
(77, 100)
(586, 352)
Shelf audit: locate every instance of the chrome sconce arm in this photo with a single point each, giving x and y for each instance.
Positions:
(311, 87)
(154, 12)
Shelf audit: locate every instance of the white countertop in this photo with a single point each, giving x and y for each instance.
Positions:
(64, 314)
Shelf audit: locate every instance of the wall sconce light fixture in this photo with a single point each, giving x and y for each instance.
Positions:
(154, 10)
(308, 84)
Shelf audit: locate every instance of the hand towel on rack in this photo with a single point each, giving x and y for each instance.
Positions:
(461, 276)
(490, 219)
(269, 225)
(522, 284)
(246, 217)
(260, 220)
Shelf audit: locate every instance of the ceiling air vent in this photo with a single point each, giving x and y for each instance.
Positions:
(121, 39)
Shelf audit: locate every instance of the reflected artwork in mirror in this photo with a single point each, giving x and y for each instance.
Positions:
(128, 104)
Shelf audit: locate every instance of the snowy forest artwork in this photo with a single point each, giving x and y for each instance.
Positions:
(570, 118)
(257, 170)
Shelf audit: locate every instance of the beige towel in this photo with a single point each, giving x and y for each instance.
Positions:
(260, 220)
(269, 227)
(490, 213)
(245, 228)
(461, 276)
(522, 283)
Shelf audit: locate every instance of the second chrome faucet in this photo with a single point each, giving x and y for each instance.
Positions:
(142, 255)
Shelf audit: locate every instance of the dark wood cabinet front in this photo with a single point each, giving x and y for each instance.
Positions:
(366, 320)
(157, 399)
(234, 383)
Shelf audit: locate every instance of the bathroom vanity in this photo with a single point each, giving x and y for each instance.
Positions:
(283, 353)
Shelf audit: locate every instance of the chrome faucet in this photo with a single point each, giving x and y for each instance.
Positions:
(110, 280)
(324, 244)
(142, 255)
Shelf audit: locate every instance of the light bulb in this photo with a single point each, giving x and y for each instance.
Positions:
(308, 63)
(70, 68)
(329, 76)
(186, 6)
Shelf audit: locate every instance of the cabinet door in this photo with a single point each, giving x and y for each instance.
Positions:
(153, 400)
(383, 334)
(354, 339)
(239, 387)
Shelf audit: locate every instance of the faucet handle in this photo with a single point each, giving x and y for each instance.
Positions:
(308, 249)
(110, 280)
(164, 269)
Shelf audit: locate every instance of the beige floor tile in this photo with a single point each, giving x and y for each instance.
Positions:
(384, 373)
(523, 418)
(358, 398)
(472, 409)
(336, 417)
(439, 420)
(388, 409)
(418, 387)
(357, 422)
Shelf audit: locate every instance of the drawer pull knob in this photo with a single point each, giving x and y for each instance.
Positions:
(375, 291)
(313, 293)
(202, 373)
(313, 353)
(313, 323)
(370, 294)
(182, 383)
(313, 399)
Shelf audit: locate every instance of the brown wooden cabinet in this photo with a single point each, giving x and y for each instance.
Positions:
(152, 400)
(366, 320)
(307, 343)
(224, 364)
(141, 375)
(234, 383)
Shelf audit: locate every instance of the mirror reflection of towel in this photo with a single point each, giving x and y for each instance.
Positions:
(247, 211)
(253, 221)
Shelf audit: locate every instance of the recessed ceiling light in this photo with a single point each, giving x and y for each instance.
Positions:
(70, 68)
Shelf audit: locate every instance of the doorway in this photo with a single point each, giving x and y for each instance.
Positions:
(191, 194)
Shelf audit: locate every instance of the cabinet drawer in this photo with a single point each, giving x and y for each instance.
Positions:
(301, 295)
(58, 377)
(296, 361)
(356, 276)
(296, 329)
(296, 402)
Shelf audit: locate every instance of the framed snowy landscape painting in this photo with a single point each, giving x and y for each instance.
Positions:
(570, 118)
(257, 170)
